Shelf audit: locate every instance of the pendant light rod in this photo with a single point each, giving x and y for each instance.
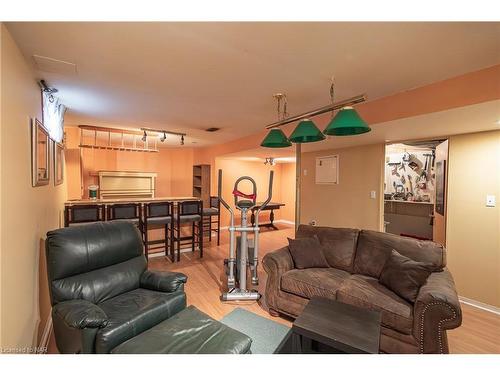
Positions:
(328, 108)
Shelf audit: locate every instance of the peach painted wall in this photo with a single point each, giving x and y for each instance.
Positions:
(348, 203)
(173, 166)
(27, 212)
(288, 191)
(472, 229)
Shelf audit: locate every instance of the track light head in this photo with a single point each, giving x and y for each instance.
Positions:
(145, 136)
(182, 140)
(162, 139)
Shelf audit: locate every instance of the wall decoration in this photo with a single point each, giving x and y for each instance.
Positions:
(58, 163)
(440, 188)
(40, 154)
(409, 176)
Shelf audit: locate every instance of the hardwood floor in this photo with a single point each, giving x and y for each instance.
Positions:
(479, 333)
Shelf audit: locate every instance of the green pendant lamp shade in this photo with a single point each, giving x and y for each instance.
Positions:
(305, 132)
(276, 139)
(347, 122)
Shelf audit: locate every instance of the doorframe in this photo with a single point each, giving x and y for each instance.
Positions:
(447, 166)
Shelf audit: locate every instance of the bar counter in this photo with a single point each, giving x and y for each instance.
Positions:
(73, 202)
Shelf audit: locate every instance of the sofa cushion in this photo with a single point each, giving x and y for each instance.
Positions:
(134, 312)
(404, 276)
(312, 282)
(306, 253)
(364, 291)
(339, 244)
(374, 248)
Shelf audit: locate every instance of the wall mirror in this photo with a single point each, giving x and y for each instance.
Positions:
(40, 154)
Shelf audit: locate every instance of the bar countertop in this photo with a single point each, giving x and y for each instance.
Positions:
(74, 202)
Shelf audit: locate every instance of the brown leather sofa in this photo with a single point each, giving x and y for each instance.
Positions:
(356, 259)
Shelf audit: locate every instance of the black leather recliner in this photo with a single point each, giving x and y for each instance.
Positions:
(101, 291)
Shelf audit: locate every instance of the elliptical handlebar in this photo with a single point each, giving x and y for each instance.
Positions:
(238, 194)
(219, 191)
(269, 194)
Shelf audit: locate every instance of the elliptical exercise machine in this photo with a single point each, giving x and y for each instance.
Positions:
(243, 253)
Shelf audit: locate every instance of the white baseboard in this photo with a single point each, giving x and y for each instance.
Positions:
(285, 222)
(480, 305)
(47, 330)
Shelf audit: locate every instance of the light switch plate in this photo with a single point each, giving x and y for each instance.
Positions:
(490, 201)
(373, 194)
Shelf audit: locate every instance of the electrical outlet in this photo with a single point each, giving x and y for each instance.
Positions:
(490, 201)
(312, 222)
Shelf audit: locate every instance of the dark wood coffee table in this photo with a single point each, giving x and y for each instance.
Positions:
(327, 326)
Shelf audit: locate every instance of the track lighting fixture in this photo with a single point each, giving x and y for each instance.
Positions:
(270, 161)
(145, 136)
(162, 134)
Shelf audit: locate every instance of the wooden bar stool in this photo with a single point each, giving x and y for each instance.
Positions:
(189, 212)
(209, 214)
(160, 214)
(81, 214)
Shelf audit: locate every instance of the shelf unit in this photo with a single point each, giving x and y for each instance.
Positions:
(201, 183)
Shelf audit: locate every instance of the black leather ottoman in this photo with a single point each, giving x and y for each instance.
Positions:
(187, 332)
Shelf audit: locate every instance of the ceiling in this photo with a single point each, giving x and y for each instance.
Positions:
(191, 76)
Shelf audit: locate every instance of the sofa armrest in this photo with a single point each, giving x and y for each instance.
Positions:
(80, 314)
(436, 309)
(279, 260)
(163, 281)
(276, 264)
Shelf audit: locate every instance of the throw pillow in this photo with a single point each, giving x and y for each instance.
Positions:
(306, 253)
(404, 276)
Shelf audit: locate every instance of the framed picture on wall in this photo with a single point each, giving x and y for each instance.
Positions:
(440, 188)
(58, 163)
(40, 154)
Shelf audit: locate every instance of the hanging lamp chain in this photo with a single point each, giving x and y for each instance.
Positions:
(281, 106)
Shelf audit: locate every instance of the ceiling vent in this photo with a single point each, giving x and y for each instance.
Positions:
(211, 130)
(50, 65)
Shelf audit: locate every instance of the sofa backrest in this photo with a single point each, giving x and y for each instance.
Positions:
(339, 244)
(374, 248)
(94, 262)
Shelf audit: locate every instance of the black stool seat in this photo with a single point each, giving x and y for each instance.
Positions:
(211, 211)
(134, 221)
(159, 220)
(187, 332)
(188, 218)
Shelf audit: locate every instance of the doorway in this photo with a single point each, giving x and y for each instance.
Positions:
(415, 189)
